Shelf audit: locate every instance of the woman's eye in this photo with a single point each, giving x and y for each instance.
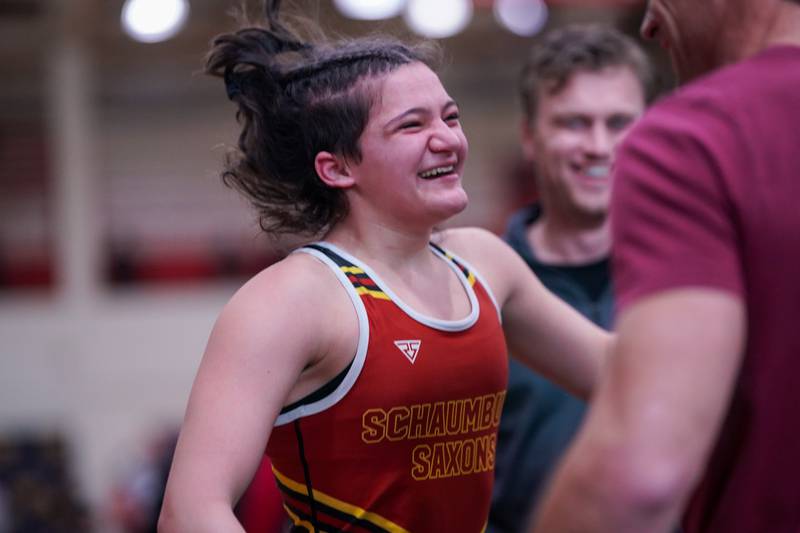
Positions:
(453, 117)
(410, 125)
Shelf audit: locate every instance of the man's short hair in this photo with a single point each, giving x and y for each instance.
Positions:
(578, 48)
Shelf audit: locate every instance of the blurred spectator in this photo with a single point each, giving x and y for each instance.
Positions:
(37, 494)
(136, 498)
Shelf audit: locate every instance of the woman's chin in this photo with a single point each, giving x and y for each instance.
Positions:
(454, 204)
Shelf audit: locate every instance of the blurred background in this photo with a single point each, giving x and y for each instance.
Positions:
(119, 244)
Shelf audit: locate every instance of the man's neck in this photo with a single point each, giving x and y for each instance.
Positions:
(561, 242)
(785, 28)
(769, 24)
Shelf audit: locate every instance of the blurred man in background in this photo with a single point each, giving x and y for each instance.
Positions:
(696, 405)
(582, 88)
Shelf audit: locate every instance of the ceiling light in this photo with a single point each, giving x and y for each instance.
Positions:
(523, 17)
(370, 9)
(437, 19)
(151, 21)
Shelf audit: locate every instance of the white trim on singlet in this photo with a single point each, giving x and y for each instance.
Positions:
(435, 323)
(358, 361)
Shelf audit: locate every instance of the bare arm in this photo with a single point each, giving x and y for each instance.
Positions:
(548, 335)
(654, 420)
(255, 355)
(541, 330)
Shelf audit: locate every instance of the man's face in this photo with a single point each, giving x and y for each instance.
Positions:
(572, 138)
(691, 32)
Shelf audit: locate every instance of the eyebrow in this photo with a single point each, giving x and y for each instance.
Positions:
(413, 111)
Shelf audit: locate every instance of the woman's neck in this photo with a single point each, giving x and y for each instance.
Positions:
(378, 243)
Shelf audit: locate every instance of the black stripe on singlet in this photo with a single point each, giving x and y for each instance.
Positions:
(333, 256)
(449, 257)
(306, 474)
(322, 527)
(357, 279)
(321, 392)
(318, 508)
(328, 527)
(325, 513)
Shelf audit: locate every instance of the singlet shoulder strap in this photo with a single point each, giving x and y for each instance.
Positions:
(469, 272)
(340, 261)
(456, 261)
(361, 281)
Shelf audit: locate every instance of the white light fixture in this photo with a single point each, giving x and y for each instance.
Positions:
(522, 17)
(370, 9)
(151, 21)
(437, 19)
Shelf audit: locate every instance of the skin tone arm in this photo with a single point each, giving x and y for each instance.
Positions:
(253, 363)
(541, 330)
(653, 422)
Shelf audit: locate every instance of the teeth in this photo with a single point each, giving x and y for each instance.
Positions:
(598, 171)
(434, 172)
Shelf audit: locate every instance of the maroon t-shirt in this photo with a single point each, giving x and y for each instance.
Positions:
(707, 193)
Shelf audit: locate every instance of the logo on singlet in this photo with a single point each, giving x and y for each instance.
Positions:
(409, 348)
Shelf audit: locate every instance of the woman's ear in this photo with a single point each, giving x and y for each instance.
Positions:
(333, 171)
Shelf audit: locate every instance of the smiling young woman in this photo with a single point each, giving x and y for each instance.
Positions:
(370, 364)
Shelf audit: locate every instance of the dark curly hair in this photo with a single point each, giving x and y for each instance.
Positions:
(294, 100)
(574, 48)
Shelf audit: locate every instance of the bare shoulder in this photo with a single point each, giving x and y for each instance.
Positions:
(271, 302)
(493, 259)
(285, 285)
(471, 243)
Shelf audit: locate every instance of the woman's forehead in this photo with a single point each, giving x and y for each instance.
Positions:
(410, 86)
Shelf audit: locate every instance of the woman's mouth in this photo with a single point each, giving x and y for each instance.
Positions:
(436, 172)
